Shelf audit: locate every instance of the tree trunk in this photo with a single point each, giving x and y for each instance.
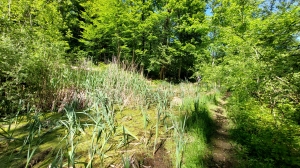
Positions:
(179, 72)
(162, 73)
(133, 55)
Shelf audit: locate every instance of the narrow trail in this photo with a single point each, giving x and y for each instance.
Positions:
(222, 155)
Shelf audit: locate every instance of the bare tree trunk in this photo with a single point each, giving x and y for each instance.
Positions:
(133, 54)
(162, 73)
(9, 3)
(179, 72)
(119, 52)
(142, 70)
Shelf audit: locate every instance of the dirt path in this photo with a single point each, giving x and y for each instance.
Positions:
(221, 148)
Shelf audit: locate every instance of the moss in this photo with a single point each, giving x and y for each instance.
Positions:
(134, 134)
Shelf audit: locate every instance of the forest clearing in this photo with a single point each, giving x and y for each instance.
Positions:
(150, 83)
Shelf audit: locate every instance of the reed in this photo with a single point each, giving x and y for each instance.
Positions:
(95, 96)
(180, 140)
(12, 123)
(33, 139)
(71, 125)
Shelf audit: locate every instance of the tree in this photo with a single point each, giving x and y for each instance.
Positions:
(162, 37)
(70, 11)
(254, 49)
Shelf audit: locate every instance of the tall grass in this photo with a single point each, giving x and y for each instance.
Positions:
(72, 125)
(199, 129)
(180, 141)
(102, 93)
(115, 89)
(33, 139)
(89, 99)
(12, 122)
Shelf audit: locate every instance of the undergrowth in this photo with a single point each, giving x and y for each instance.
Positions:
(199, 129)
(262, 138)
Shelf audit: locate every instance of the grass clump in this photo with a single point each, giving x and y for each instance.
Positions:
(199, 129)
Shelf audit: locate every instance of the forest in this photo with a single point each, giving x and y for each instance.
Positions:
(150, 83)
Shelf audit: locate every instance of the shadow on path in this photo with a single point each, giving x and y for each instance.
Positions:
(222, 155)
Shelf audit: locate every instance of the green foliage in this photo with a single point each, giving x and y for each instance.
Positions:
(31, 45)
(199, 127)
(266, 139)
(253, 56)
(162, 38)
(248, 48)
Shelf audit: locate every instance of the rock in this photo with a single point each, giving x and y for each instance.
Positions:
(176, 101)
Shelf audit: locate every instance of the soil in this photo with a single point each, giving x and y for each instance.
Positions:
(222, 150)
(37, 158)
(160, 159)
